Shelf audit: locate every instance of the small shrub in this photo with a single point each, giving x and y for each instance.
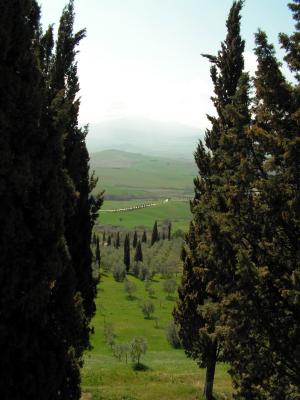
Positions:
(109, 334)
(121, 350)
(172, 335)
(144, 273)
(119, 272)
(138, 347)
(151, 292)
(135, 269)
(129, 288)
(169, 286)
(148, 308)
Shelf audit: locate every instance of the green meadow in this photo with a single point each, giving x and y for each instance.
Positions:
(129, 175)
(178, 212)
(168, 374)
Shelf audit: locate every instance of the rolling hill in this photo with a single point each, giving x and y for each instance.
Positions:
(124, 175)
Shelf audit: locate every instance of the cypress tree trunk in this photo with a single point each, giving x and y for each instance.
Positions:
(210, 373)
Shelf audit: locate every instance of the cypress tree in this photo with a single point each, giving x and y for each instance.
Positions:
(118, 240)
(35, 357)
(155, 236)
(135, 240)
(127, 252)
(144, 237)
(265, 347)
(97, 253)
(169, 230)
(81, 206)
(209, 254)
(138, 257)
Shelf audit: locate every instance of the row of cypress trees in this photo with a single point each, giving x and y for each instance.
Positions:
(239, 298)
(47, 211)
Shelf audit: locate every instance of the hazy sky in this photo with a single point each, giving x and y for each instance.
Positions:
(143, 57)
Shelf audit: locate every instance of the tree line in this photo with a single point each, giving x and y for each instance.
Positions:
(47, 210)
(239, 297)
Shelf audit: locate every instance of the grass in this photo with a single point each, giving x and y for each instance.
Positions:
(168, 373)
(176, 211)
(123, 174)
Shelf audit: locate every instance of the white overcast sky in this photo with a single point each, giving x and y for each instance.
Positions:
(142, 58)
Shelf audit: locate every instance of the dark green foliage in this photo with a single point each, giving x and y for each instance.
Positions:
(81, 207)
(97, 252)
(209, 257)
(265, 346)
(138, 253)
(155, 235)
(127, 252)
(169, 230)
(36, 361)
(117, 244)
(135, 240)
(144, 237)
(47, 280)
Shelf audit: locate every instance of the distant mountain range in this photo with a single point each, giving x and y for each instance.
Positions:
(137, 135)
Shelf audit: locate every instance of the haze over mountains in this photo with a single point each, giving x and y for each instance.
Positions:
(137, 135)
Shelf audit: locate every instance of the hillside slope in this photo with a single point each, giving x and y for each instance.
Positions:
(125, 175)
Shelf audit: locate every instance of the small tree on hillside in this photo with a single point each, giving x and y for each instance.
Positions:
(144, 237)
(169, 230)
(129, 288)
(127, 252)
(148, 308)
(138, 253)
(97, 253)
(155, 235)
(169, 286)
(135, 240)
(138, 347)
(117, 244)
(109, 334)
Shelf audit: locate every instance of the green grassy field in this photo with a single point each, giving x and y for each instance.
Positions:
(177, 212)
(169, 375)
(129, 174)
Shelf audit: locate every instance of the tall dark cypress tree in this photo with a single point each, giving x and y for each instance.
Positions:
(117, 240)
(138, 257)
(265, 346)
(155, 235)
(209, 252)
(33, 251)
(97, 253)
(144, 237)
(169, 230)
(127, 252)
(82, 207)
(135, 240)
